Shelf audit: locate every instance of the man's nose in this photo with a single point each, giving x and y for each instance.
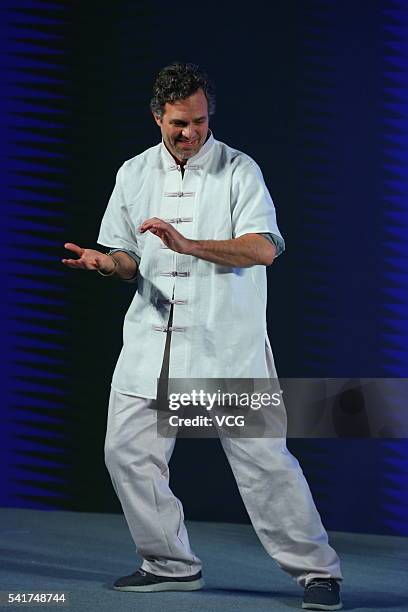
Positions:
(188, 132)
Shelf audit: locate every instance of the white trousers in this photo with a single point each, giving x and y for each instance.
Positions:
(270, 480)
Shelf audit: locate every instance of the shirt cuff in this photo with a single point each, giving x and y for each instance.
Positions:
(276, 240)
(131, 254)
(135, 258)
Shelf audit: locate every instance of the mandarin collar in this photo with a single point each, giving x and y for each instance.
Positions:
(170, 162)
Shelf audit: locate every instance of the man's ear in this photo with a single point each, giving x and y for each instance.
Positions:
(157, 119)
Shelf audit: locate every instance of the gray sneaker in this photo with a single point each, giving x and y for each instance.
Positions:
(144, 582)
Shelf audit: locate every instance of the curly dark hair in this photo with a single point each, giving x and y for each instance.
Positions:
(177, 82)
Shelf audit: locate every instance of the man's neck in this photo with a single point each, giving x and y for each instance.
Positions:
(179, 162)
(182, 162)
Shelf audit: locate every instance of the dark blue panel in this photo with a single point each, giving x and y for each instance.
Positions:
(35, 180)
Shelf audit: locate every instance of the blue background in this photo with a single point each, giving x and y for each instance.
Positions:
(316, 93)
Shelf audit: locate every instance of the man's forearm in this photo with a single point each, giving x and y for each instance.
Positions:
(123, 266)
(243, 252)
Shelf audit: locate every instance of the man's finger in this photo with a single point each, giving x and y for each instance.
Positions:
(143, 228)
(153, 222)
(162, 232)
(70, 246)
(71, 263)
(81, 264)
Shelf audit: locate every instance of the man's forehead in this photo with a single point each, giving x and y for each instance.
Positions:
(178, 115)
(188, 107)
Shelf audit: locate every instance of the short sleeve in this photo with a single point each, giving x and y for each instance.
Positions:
(253, 211)
(116, 231)
(273, 239)
(131, 254)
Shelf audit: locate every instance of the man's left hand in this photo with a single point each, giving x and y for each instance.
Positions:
(167, 234)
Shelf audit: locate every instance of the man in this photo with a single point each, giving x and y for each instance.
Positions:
(191, 220)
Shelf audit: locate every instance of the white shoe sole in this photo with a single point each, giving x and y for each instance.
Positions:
(193, 585)
(310, 606)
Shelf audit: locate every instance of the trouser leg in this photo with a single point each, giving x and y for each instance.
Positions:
(137, 461)
(280, 505)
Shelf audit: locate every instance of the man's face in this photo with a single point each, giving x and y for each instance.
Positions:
(184, 126)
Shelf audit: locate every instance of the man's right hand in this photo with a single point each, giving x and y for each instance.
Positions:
(88, 259)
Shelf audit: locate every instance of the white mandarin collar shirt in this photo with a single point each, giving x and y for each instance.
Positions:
(219, 312)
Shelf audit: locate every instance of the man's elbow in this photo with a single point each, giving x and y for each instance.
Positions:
(267, 253)
(259, 250)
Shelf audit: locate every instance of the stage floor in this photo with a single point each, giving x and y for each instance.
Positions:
(80, 554)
